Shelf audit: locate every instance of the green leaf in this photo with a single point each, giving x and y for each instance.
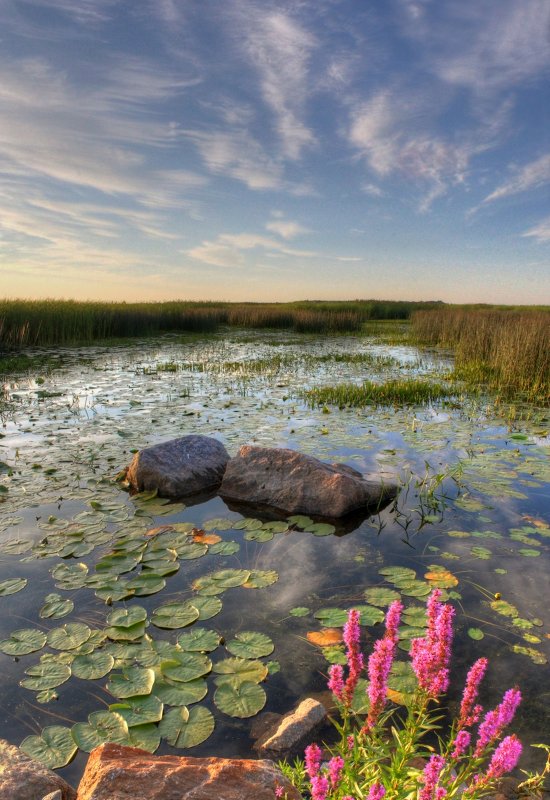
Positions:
(131, 682)
(23, 641)
(332, 617)
(397, 573)
(92, 666)
(70, 576)
(207, 607)
(240, 698)
(475, 633)
(199, 640)
(46, 675)
(184, 728)
(380, 596)
(321, 529)
(146, 583)
(102, 726)
(300, 521)
(504, 608)
(146, 737)
(127, 617)
(11, 586)
(299, 611)
(250, 644)
(224, 548)
(175, 615)
(55, 607)
(131, 634)
(186, 667)
(217, 582)
(180, 694)
(218, 524)
(69, 636)
(241, 669)
(54, 748)
(139, 710)
(528, 552)
(260, 578)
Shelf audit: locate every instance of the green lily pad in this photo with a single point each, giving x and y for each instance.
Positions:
(524, 624)
(397, 573)
(46, 675)
(15, 547)
(240, 699)
(528, 552)
(102, 726)
(55, 607)
(476, 633)
(127, 617)
(380, 596)
(224, 548)
(146, 583)
(175, 615)
(92, 666)
(11, 586)
(180, 694)
(207, 607)
(481, 552)
(241, 669)
(130, 634)
(183, 727)
(535, 655)
(299, 611)
(218, 524)
(146, 737)
(70, 576)
(260, 578)
(69, 636)
(199, 640)
(504, 608)
(131, 682)
(23, 641)
(186, 666)
(139, 710)
(300, 520)
(247, 524)
(415, 616)
(54, 748)
(217, 582)
(332, 617)
(259, 535)
(369, 615)
(321, 529)
(250, 644)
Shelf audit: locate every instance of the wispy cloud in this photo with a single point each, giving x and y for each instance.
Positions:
(286, 228)
(540, 232)
(280, 47)
(227, 250)
(530, 176)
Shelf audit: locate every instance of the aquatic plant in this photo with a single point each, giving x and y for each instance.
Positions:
(393, 392)
(387, 755)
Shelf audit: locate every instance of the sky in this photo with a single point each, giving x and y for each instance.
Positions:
(275, 150)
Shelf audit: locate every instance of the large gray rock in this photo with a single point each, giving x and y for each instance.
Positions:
(299, 484)
(180, 467)
(21, 778)
(288, 735)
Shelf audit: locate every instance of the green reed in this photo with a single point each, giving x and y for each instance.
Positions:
(394, 392)
(506, 349)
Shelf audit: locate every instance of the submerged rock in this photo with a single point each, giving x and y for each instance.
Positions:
(288, 735)
(300, 484)
(22, 778)
(115, 772)
(179, 467)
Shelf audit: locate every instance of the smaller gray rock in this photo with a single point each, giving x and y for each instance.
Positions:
(22, 778)
(288, 734)
(179, 467)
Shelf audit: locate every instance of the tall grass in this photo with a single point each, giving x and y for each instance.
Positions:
(390, 393)
(50, 322)
(507, 349)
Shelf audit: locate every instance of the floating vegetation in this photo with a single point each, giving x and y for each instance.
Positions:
(397, 392)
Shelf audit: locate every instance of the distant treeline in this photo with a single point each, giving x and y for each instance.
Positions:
(506, 348)
(64, 322)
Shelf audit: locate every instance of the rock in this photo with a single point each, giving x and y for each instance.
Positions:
(296, 483)
(179, 467)
(54, 795)
(288, 735)
(115, 772)
(22, 778)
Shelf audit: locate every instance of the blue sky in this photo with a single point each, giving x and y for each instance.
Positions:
(257, 150)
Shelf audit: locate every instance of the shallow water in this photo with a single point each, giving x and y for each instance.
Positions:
(475, 500)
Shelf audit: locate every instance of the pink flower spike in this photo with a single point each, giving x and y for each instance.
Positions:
(505, 757)
(335, 767)
(469, 712)
(313, 755)
(319, 787)
(393, 618)
(376, 792)
(495, 721)
(462, 742)
(432, 771)
(336, 681)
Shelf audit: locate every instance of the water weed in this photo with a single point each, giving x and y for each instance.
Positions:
(393, 392)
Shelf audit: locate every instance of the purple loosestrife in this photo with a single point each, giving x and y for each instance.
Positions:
(352, 635)
(335, 767)
(495, 721)
(379, 665)
(461, 744)
(319, 787)
(504, 759)
(431, 655)
(313, 755)
(432, 771)
(376, 792)
(469, 712)
(336, 681)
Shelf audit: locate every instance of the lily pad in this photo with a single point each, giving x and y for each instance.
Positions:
(102, 726)
(69, 636)
(23, 641)
(54, 748)
(186, 667)
(55, 607)
(139, 710)
(476, 633)
(146, 737)
(131, 682)
(127, 617)
(240, 699)
(217, 582)
(504, 608)
(46, 675)
(241, 669)
(224, 548)
(250, 644)
(183, 727)
(175, 615)
(92, 666)
(12, 586)
(332, 617)
(321, 529)
(299, 611)
(207, 607)
(380, 596)
(180, 694)
(260, 578)
(199, 640)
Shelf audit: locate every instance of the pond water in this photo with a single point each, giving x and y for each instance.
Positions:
(473, 516)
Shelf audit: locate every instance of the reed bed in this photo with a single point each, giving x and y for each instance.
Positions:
(509, 350)
(390, 393)
(63, 322)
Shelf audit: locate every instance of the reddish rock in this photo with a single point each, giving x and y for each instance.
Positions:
(115, 772)
(299, 484)
(22, 778)
(180, 467)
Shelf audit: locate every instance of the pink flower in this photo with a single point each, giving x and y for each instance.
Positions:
(279, 791)
(504, 759)
(462, 742)
(376, 792)
(313, 754)
(379, 664)
(430, 776)
(352, 635)
(393, 618)
(336, 681)
(319, 787)
(335, 767)
(431, 655)
(469, 712)
(495, 721)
